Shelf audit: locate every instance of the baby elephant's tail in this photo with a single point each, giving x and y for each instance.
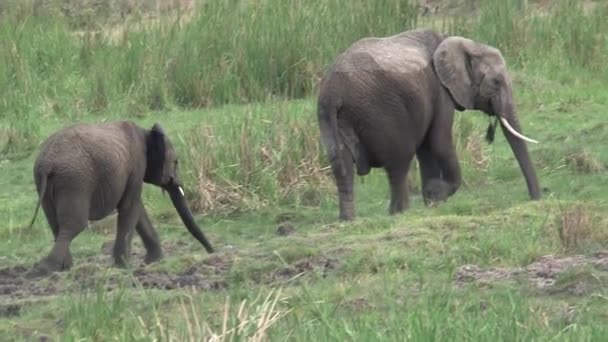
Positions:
(41, 183)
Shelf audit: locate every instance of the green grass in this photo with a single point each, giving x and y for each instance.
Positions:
(390, 276)
(251, 156)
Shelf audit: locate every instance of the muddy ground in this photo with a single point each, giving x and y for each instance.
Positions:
(548, 273)
(17, 288)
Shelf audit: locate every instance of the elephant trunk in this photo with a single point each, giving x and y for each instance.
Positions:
(179, 202)
(508, 124)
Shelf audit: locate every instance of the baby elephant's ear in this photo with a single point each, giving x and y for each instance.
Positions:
(156, 143)
(155, 154)
(157, 129)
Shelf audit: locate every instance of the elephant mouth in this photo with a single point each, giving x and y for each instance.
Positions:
(173, 184)
(498, 107)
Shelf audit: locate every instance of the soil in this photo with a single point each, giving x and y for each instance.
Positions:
(18, 287)
(543, 273)
(286, 229)
(317, 264)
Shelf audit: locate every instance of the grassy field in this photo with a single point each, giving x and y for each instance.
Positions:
(487, 264)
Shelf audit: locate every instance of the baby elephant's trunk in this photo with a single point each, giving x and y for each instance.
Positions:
(179, 202)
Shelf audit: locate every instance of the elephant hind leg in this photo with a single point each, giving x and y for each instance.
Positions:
(343, 171)
(72, 216)
(51, 217)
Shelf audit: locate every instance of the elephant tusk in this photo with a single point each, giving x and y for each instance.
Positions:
(181, 191)
(515, 133)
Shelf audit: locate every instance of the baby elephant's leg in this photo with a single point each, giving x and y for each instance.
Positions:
(149, 237)
(128, 216)
(71, 218)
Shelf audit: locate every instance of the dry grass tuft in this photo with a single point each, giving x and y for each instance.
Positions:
(576, 226)
(249, 321)
(255, 164)
(253, 320)
(210, 192)
(474, 146)
(583, 161)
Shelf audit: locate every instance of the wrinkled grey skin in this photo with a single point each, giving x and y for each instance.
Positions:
(86, 171)
(386, 100)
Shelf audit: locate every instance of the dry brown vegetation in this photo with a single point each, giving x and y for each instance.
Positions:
(580, 225)
(583, 161)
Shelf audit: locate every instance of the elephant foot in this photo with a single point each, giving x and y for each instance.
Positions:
(153, 257)
(47, 266)
(121, 261)
(399, 204)
(397, 209)
(347, 210)
(435, 191)
(347, 218)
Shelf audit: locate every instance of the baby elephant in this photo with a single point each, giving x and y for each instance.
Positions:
(86, 171)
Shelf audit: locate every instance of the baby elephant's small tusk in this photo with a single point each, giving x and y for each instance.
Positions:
(515, 133)
(181, 191)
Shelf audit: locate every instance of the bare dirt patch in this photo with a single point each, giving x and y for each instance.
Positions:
(358, 304)
(317, 264)
(544, 273)
(96, 272)
(14, 283)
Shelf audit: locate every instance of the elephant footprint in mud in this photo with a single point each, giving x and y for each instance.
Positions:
(86, 171)
(386, 100)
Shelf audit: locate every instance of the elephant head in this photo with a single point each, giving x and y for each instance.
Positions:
(162, 170)
(476, 77)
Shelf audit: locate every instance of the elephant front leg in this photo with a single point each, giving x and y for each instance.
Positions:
(149, 237)
(128, 217)
(439, 169)
(397, 178)
(438, 189)
(430, 175)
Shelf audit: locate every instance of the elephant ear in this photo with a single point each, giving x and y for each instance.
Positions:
(155, 154)
(453, 61)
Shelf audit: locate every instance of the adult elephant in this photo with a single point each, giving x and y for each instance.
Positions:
(386, 100)
(86, 171)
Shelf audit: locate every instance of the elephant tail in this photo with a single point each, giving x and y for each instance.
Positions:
(327, 112)
(41, 180)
